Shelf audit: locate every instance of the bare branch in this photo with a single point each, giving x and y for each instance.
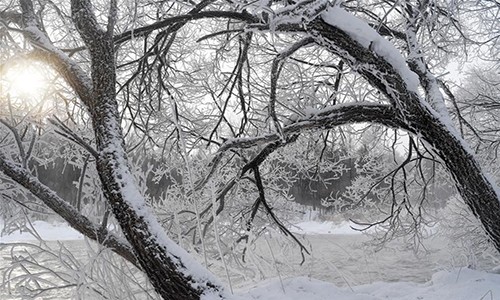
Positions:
(275, 73)
(18, 140)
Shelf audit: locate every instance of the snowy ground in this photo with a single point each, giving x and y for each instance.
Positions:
(458, 284)
(314, 227)
(455, 283)
(47, 232)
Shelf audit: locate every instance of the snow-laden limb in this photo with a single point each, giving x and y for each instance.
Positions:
(45, 51)
(417, 62)
(171, 269)
(383, 65)
(397, 83)
(275, 73)
(297, 13)
(74, 218)
(366, 36)
(173, 272)
(182, 19)
(327, 118)
(115, 160)
(377, 71)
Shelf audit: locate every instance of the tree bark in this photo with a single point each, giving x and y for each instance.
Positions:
(172, 272)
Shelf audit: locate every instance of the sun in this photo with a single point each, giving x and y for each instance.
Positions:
(26, 82)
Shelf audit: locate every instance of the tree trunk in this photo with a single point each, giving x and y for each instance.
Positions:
(475, 188)
(164, 264)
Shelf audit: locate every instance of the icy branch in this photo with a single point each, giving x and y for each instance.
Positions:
(327, 118)
(419, 66)
(145, 30)
(275, 73)
(61, 207)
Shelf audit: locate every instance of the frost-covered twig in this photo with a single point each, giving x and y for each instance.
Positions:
(418, 65)
(18, 140)
(276, 68)
(69, 134)
(48, 53)
(262, 200)
(145, 30)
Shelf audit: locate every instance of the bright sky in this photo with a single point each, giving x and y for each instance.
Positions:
(25, 81)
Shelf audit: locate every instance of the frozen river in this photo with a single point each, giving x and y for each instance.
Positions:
(346, 260)
(343, 259)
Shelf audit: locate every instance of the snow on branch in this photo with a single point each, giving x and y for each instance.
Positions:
(379, 62)
(76, 220)
(418, 64)
(145, 30)
(383, 66)
(366, 36)
(341, 114)
(69, 134)
(276, 68)
(45, 51)
(169, 267)
(297, 13)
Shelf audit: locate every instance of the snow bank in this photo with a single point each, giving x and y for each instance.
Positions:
(458, 284)
(315, 227)
(47, 232)
(298, 288)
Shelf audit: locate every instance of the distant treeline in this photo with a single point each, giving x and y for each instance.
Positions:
(315, 188)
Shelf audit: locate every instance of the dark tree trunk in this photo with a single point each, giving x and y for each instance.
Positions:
(476, 190)
(163, 269)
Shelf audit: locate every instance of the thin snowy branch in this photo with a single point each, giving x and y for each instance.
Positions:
(328, 118)
(275, 73)
(76, 220)
(18, 140)
(418, 65)
(52, 56)
(269, 210)
(145, 30)
(72, 136)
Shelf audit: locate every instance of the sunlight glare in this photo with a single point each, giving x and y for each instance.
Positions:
(26, 82)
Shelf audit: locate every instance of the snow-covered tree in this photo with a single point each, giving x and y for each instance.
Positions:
(233, 81)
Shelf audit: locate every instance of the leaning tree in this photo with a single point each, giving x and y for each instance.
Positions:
(256, 75)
